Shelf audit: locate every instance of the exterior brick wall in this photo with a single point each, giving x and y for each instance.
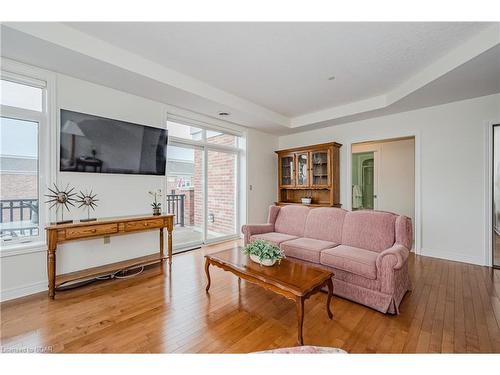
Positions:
(221, 192)
(17, 186)
(221, 178)
(221, 189)
(198, 188)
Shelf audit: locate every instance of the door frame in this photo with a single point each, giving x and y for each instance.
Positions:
(488, 187)
(417, 246)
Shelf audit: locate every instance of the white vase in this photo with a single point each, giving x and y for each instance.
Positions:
(264, 262)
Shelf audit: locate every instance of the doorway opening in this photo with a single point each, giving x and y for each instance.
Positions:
(364, 189)
(383, 176)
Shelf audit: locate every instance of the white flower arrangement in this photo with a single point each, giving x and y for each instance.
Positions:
(156, 194)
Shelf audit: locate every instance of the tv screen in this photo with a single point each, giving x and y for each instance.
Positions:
(100, 145)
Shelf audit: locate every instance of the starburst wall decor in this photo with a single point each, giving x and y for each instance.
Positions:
(89, 201)
(61, 199)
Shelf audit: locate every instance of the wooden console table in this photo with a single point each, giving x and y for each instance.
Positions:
(59, 233)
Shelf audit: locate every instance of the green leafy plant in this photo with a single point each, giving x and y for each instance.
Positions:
(264, 250)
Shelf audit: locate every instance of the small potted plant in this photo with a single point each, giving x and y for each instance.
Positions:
(156, 205)
(263, 252)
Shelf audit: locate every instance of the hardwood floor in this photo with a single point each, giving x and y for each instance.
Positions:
(454, 307)
(496, 253)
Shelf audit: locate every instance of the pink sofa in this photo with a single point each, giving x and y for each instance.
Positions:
(366, 250)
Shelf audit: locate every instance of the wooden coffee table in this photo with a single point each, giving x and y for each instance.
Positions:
(293, 280)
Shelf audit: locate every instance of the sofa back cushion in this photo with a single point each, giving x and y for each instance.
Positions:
(291, 220)
(325, 223)
(404, 231)
(370, 230)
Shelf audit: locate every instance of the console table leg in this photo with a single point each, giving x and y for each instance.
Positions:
(51, 262)
(207, 271)
(51, 267)
(300, 320)
(169, 229)
(162, 246)
(329, 283)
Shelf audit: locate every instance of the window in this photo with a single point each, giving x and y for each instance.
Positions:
(21, 96)
(202, 174)
(222, 138)
(22, 116)
(183, 131)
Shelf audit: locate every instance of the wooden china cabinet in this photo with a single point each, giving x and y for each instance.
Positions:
(311, 171)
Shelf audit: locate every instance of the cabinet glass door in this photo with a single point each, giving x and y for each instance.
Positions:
(320, 168)
(303, 169)
(287, 170)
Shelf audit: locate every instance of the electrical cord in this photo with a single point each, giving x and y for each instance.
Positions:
(120, 274)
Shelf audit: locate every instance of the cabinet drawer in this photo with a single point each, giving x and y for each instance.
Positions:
(143, 224)
(91, 230)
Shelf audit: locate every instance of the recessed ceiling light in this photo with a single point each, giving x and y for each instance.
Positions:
(331, 78)
(224, 113)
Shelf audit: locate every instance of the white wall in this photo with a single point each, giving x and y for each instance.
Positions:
(395, 165)
(23, 274)
(261, 174)
(450, 148)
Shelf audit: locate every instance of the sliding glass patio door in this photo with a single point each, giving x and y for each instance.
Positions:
(185, 194)
(202, 184)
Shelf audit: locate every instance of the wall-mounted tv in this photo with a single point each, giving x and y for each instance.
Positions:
(96, 144)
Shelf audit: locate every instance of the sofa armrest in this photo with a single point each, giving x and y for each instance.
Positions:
(391, 270)
(251, 229)
(392, 258)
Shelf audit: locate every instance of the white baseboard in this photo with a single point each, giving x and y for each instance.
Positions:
(22, 291)
(456, 257)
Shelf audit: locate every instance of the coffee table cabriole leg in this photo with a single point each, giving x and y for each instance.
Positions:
(207, 271)
(329, 283)
(300, 319)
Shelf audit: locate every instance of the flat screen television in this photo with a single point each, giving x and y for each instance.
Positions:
(96, 144)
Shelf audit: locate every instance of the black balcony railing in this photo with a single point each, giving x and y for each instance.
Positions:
(19, 217)
(175, 205)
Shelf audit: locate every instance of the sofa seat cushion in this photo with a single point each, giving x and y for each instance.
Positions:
(351, 259)
(307, 249)
(273, 237)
